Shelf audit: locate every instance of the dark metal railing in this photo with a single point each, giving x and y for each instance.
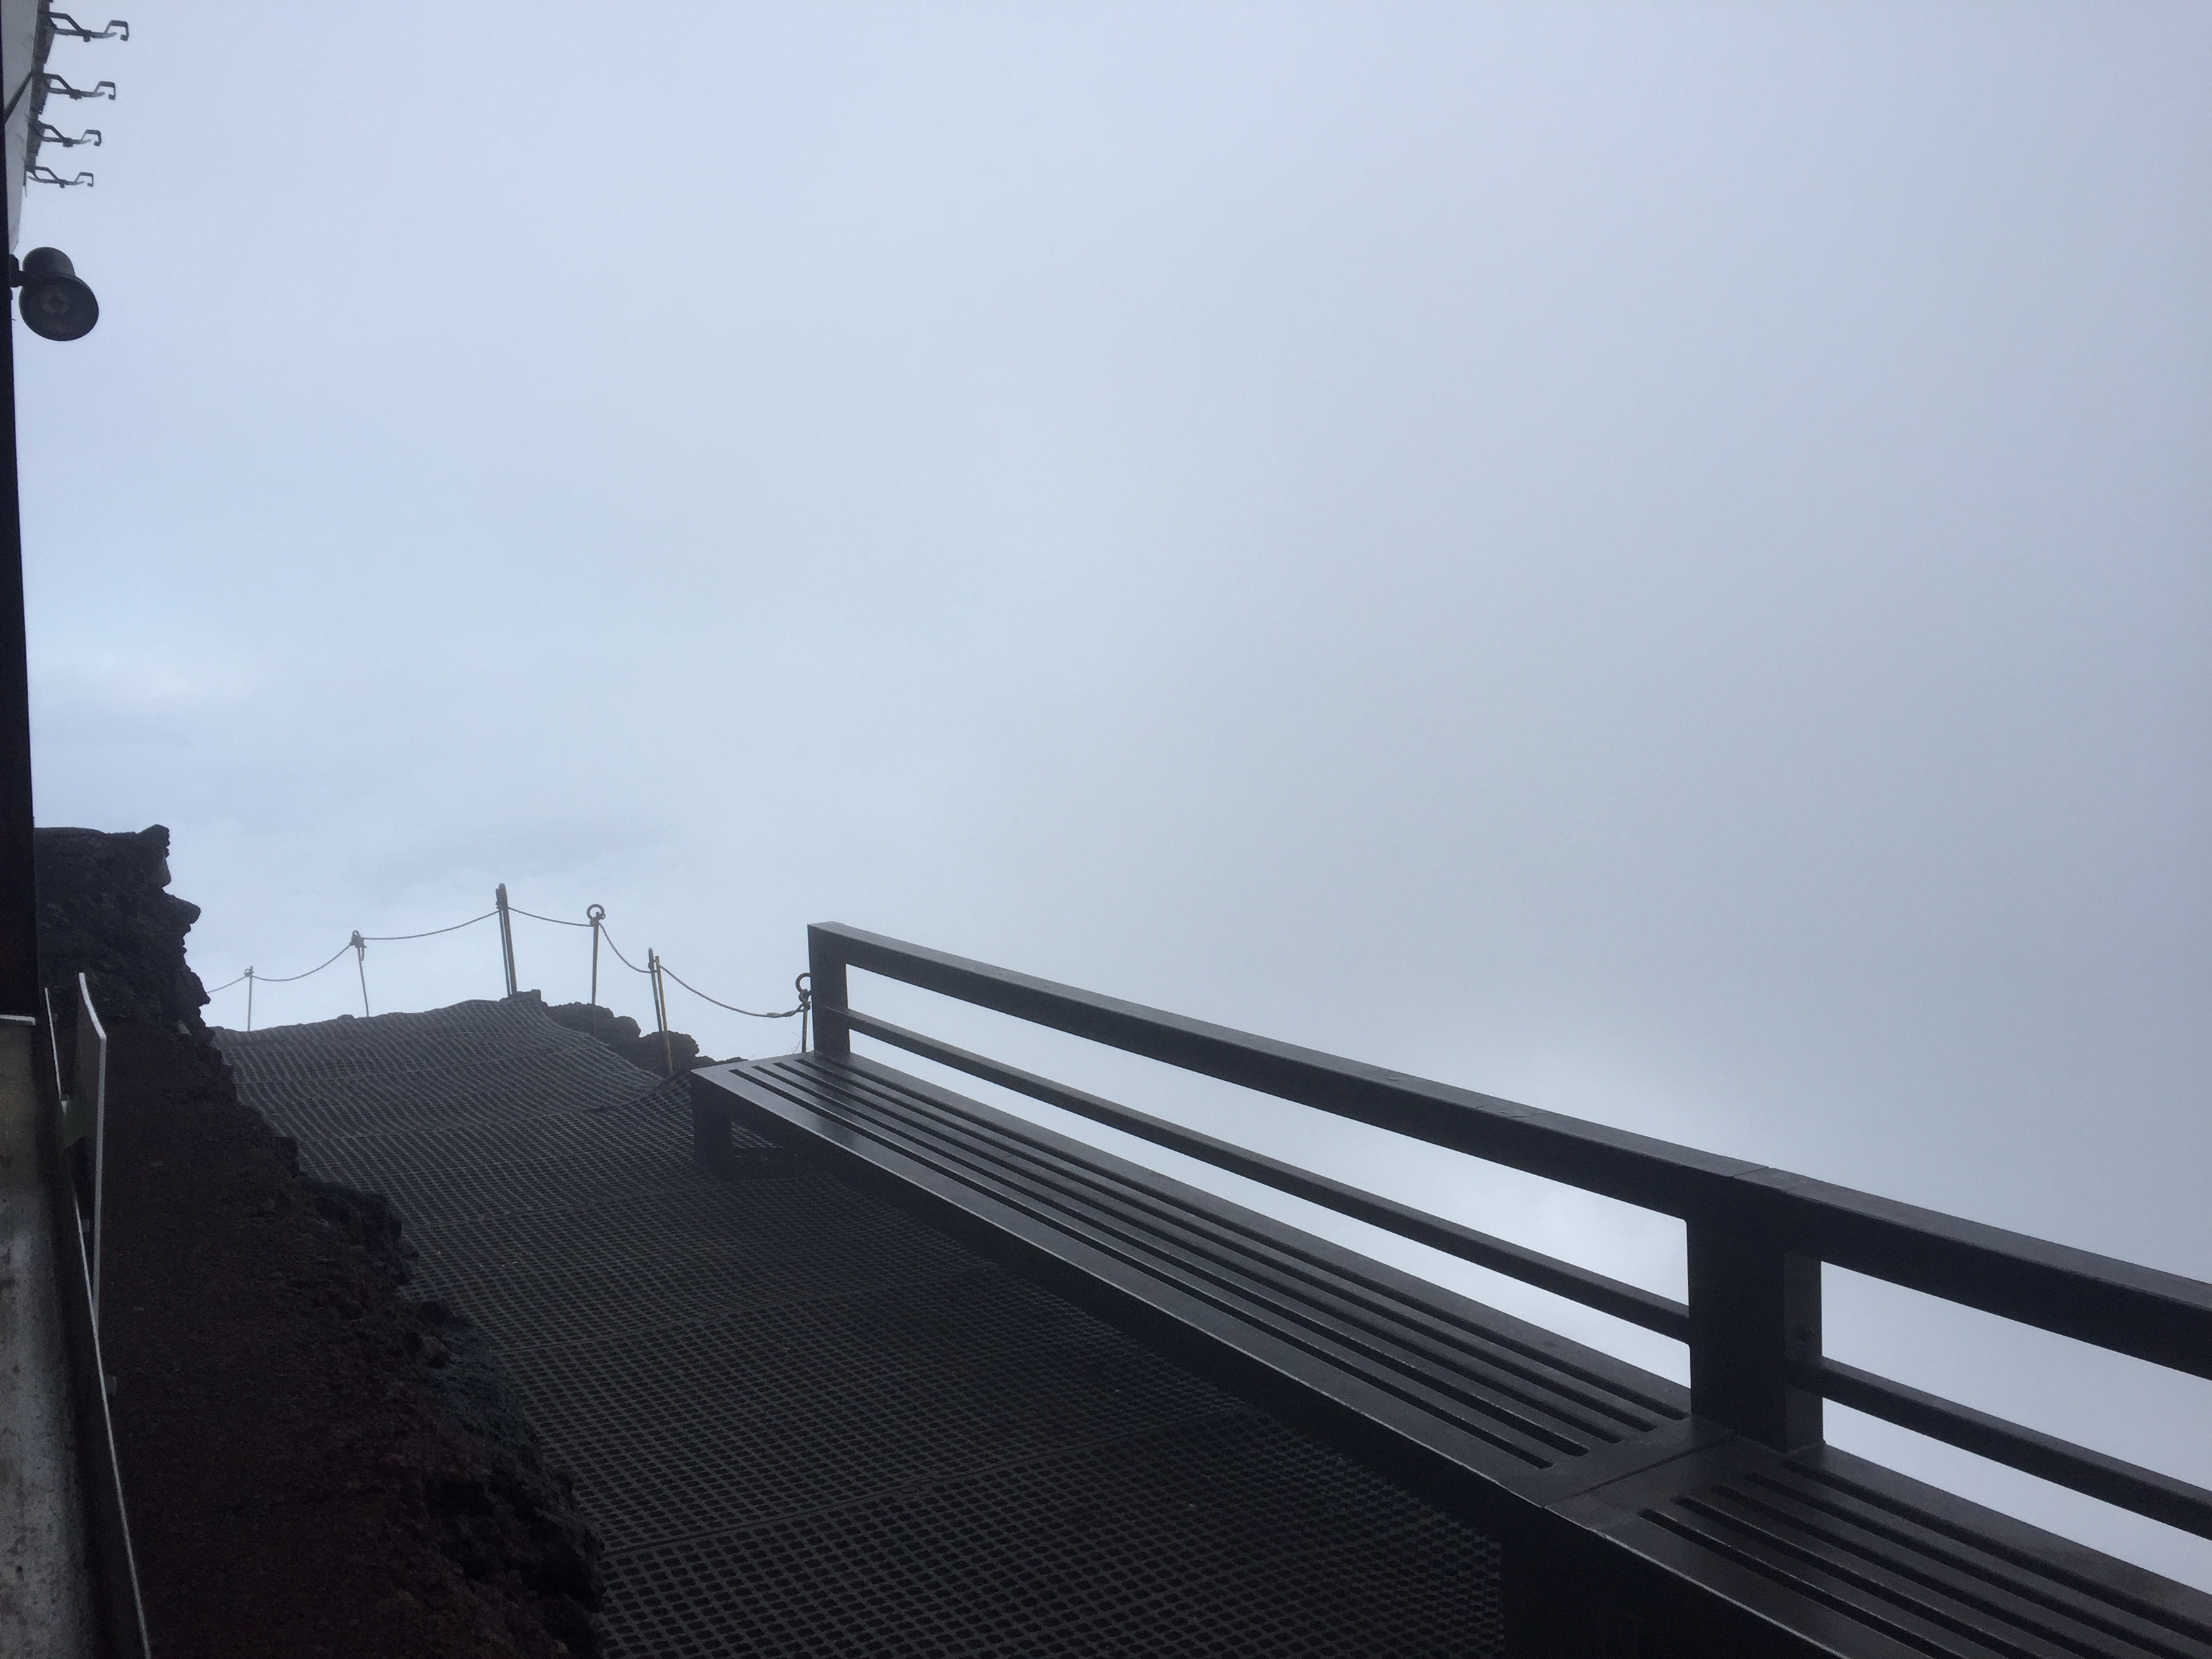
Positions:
(1757, 1236)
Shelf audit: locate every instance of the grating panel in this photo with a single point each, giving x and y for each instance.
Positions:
(802, 1422)
(558, 1299)
(1228, 1536)
(486, 1143)
(811, 1217)
(786, 1409)
(568, 1182)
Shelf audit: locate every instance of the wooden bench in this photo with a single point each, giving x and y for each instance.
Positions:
(1637, 1517)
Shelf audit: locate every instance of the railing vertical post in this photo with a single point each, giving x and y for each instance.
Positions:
(91, 1085)
(1754, 1307)
(507, 936)
(825, 978)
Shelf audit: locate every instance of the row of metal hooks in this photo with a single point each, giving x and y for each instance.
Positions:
(56, 85)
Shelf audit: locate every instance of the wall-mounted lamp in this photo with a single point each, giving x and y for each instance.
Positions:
(56, 304)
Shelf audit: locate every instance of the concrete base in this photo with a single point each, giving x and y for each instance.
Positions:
(45, 1602)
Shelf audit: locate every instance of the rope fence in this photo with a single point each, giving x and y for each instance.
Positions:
(655, 968)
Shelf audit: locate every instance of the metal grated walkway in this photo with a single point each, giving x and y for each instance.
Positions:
(803, 1424)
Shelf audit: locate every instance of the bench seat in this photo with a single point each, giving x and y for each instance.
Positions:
(1630, 1526)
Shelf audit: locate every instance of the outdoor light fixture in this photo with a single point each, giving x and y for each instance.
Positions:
(56, 304)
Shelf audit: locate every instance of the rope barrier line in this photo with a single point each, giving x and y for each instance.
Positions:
(558, 922)
(657, 967)
(395, 939)
(788, 1013)
(273, 979)
(617, 949)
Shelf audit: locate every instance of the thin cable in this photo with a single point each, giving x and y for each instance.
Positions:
(619, 957)
(786, 1014)
(369, 938)
(395, 939)
(558, 922)
(286, 979)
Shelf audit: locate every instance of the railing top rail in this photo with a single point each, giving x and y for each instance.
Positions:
(2162, 1317)
(1638, 1170)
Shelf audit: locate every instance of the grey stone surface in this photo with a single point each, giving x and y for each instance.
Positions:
(45, 1606)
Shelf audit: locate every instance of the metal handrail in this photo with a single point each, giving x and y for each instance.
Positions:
(1757, 1236)
(92, 1086)
(2129, 1485)
(1622, 1300)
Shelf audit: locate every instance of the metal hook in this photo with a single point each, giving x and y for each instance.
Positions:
(101, 89)
(63, 23)
(46, 175)
(49, 134)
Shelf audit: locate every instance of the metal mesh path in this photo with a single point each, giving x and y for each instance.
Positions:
(803, 1424)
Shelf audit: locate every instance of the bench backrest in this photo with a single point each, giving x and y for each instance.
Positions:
(1757, 1236)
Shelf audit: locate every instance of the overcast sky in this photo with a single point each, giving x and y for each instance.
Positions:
(1651, 560)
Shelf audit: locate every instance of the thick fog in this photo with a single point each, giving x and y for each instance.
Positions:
(1651, 561)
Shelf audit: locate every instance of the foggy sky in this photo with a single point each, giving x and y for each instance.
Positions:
(1651, 561)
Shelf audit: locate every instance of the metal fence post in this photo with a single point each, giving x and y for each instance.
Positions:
(1754, 1308)
(825, 979)
(660, 1012)
(595, 914)
(507, 936)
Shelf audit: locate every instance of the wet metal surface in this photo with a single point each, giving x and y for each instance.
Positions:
(803, 1423)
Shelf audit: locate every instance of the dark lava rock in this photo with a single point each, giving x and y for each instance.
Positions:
(362, 1218)
(558, 1555)
(620, 1033)
(312, 1464)
(103, 912)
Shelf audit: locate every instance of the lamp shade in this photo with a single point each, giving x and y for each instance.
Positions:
(56, 304)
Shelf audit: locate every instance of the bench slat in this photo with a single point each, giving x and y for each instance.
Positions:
(816, 1096)
(1350, 1299)
(1531, 1435)
(1607, 1294)
(1439, 1387)
(1897, 1555)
